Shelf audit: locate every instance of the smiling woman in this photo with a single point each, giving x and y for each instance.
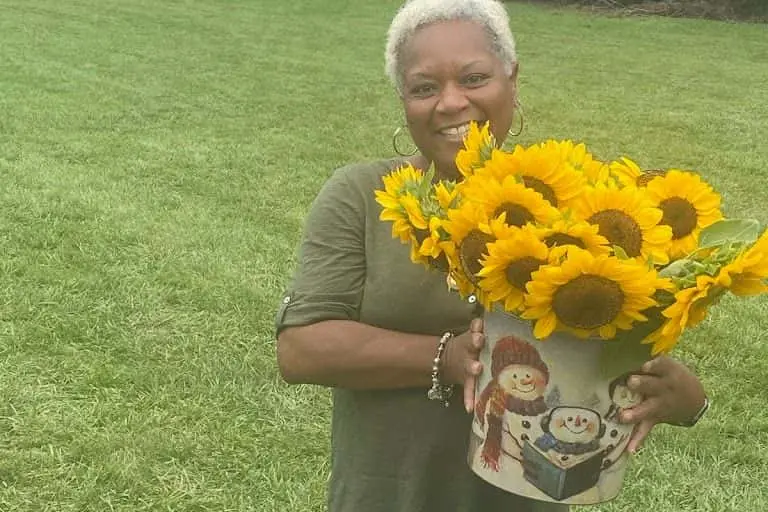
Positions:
(388, 335)
(450, 78)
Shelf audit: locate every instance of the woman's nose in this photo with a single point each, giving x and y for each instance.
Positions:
(452, 99)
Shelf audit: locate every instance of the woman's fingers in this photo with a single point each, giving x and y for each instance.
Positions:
(472, 367)
(469, 394)
(648, 409)
(646, 385)
(638, 435)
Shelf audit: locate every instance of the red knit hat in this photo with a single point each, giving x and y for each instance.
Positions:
(511, 350)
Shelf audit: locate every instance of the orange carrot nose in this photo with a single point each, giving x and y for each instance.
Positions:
(578, 421)
(525, 382)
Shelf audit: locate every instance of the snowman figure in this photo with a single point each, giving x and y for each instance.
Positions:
(570, 431)
(516, 390)
(621, 397)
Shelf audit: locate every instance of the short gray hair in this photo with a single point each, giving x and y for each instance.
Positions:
(415, 14)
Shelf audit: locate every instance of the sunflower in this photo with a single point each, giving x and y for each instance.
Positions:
(628, 174)
(478, 145)
(413, 211)
(628, 219)
(468, 231)
(507, 268)
(520, 204)
(446, 195)
(498, 166)
(688, 310)
(579, 159)
(688, 205)
(747, 274)
(543, 169)
(590, 295)
(399, 204)
(430, 245)
(567, 231)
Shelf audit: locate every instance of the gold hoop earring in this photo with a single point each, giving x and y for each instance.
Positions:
(519, 109)
(396, 147)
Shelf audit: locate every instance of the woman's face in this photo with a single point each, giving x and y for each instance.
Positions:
(451, 77)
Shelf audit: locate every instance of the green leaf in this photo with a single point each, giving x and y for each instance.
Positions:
(729, 230)
(627, 352)
(674, 269)
(620, 252)
(621, 356)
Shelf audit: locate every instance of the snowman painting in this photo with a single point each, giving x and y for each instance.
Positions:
(570, 431)
(567, 459)
(621, 397)
(519, 379)
(546, 421)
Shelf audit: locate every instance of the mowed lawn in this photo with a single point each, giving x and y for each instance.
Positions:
(156, 162)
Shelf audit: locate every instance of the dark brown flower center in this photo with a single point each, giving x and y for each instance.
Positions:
(680, 214)
(542, 188)
(471, 249)
(620, 229)
(517, 215)
(644, 179)
(588, 302)
(519, 271)
(561, 239)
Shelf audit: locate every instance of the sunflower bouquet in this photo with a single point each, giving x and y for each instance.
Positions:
(571, 243)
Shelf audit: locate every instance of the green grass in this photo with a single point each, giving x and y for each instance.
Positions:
(156, 161)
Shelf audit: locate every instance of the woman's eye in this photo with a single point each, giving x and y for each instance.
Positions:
(422, 90)
(476, 79)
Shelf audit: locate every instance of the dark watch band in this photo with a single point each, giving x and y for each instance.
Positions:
(697, 416)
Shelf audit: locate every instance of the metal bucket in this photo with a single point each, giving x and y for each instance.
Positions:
(545, 423)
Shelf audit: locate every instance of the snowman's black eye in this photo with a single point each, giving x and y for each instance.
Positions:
(570, 418)
(527, 375)
(514, 375)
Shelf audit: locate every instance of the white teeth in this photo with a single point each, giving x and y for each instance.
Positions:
(457, 132)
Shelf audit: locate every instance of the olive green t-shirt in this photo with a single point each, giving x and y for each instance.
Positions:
(391, 450)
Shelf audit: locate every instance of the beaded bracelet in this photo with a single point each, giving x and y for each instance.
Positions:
(438, 391)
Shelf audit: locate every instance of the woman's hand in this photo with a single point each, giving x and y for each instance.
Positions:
(461, 365)
(672, 394)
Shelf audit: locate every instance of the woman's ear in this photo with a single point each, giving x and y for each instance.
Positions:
(513, 73)
(513, 80)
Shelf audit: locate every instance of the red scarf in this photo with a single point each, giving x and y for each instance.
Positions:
(497, 401)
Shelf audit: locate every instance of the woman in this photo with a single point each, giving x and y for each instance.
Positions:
(359, 317)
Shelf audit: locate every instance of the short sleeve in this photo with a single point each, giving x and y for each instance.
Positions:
(328, 281)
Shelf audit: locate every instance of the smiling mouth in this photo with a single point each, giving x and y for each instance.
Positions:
(526, 389)
(569, 429)
(457, 133)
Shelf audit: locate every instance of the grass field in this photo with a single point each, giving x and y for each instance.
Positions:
(156, 161)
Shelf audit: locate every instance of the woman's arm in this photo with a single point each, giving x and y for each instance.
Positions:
(349, 354)
(320, 338)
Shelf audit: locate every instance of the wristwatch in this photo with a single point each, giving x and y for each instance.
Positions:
(691, 422)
